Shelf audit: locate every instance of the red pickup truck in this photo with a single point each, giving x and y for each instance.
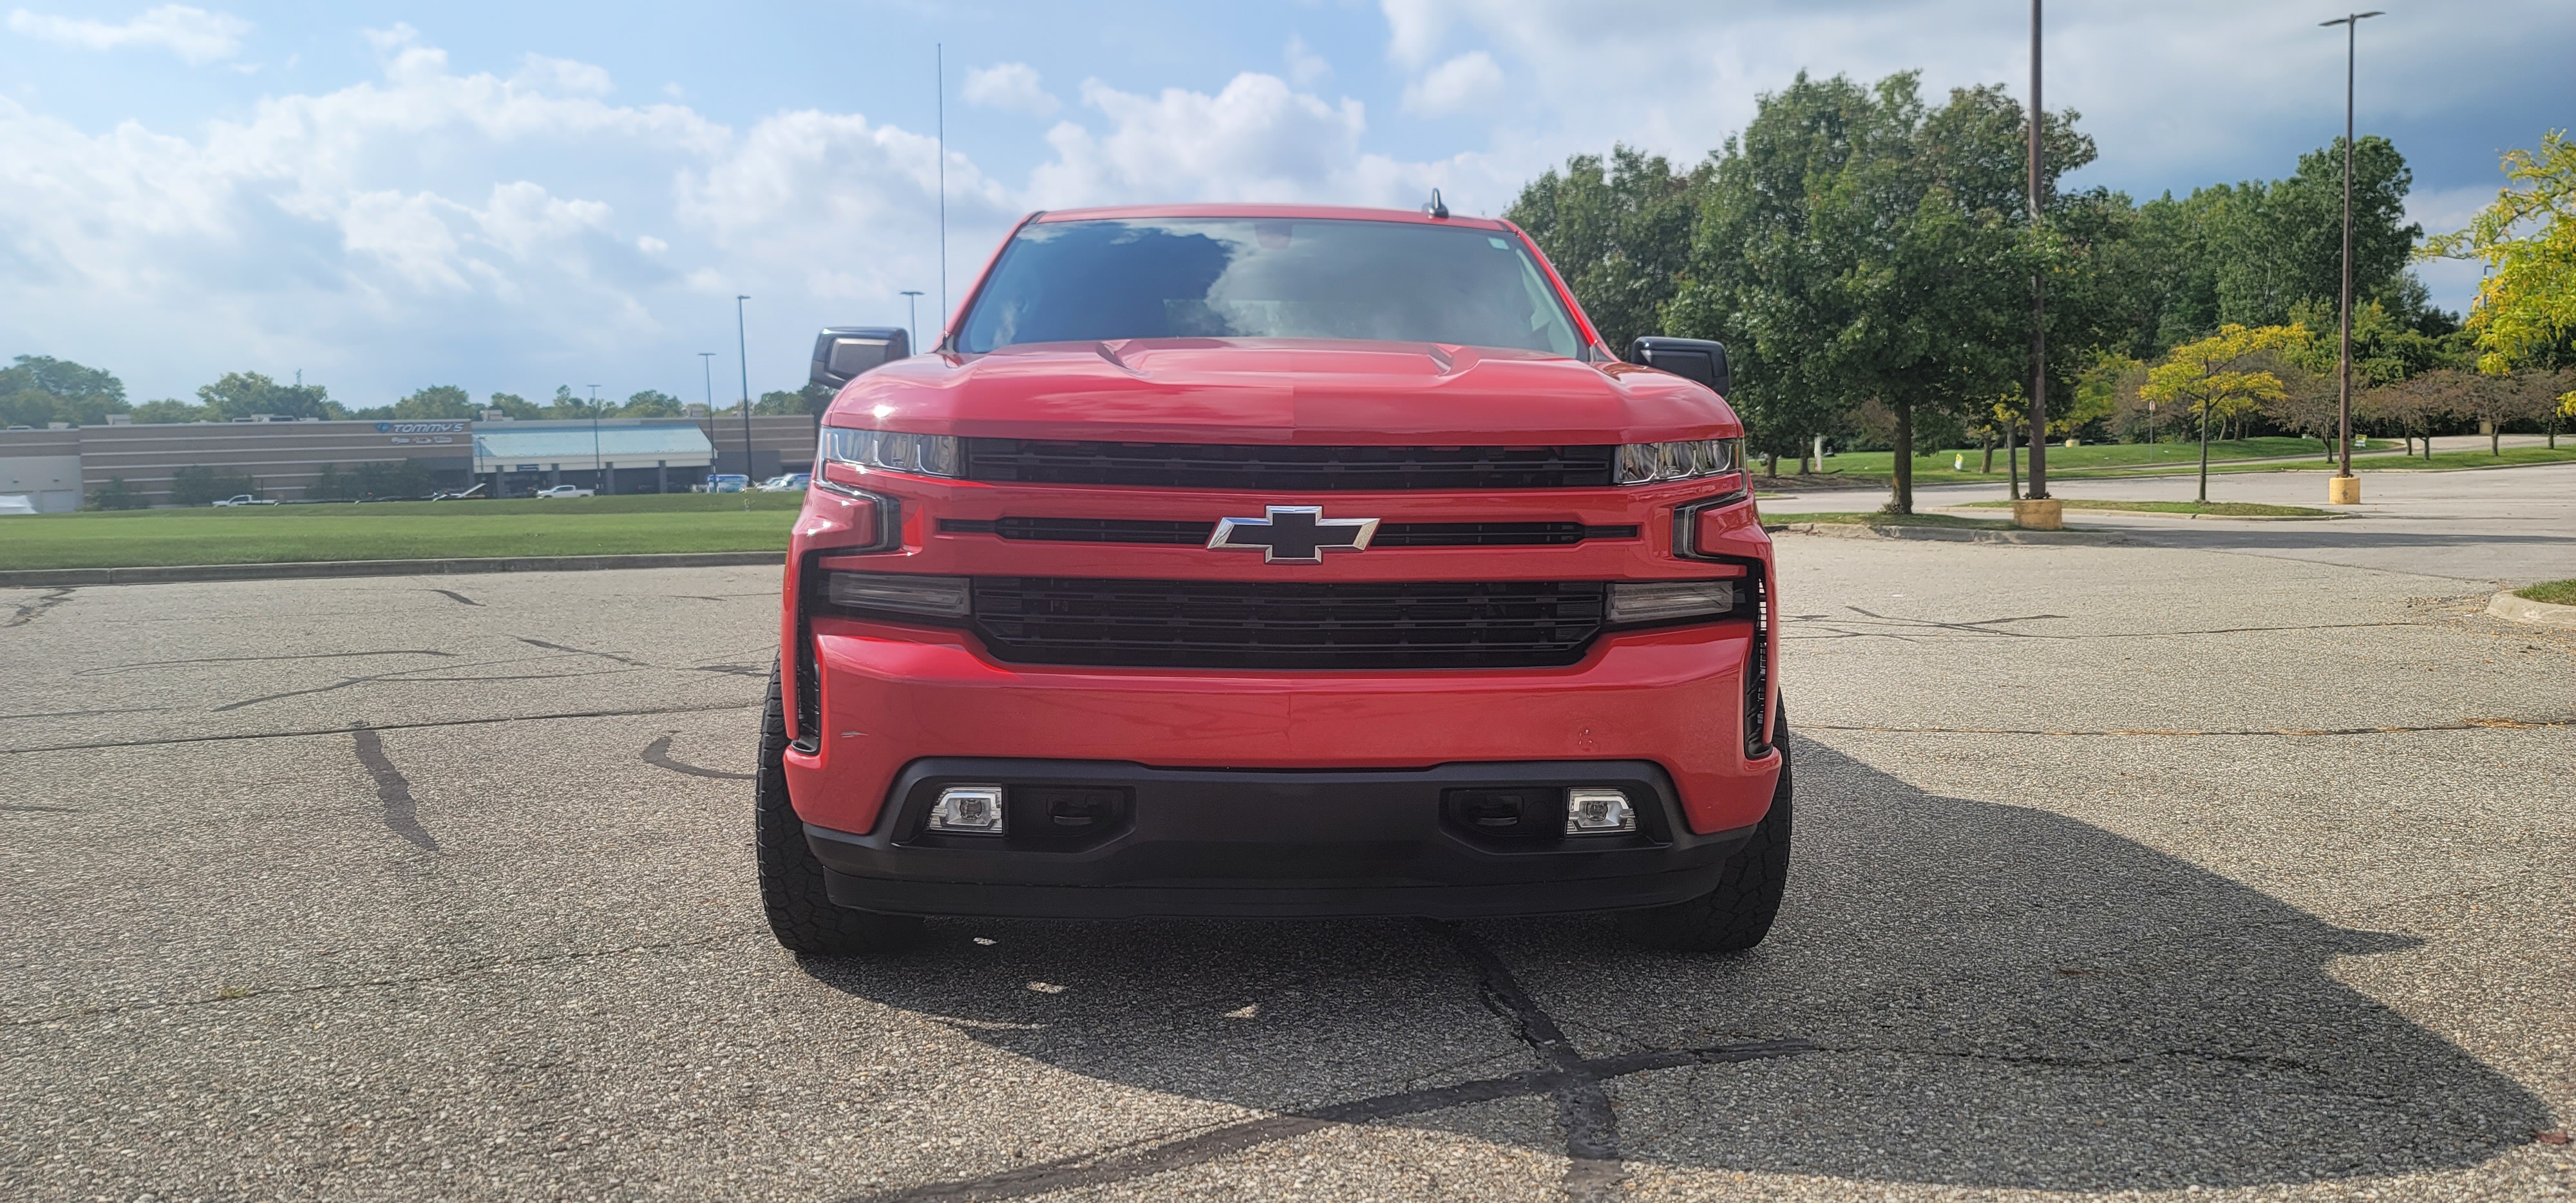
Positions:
(1231, 560)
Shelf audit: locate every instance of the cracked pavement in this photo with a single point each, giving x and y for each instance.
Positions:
(2121, 871)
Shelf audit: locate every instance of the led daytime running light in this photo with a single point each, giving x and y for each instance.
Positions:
(890, 451)
(1653, 463)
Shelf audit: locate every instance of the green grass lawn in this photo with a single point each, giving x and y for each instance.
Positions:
(2131, 459)
(2556, 593)
(574, 526)
(2228, 509)
(1874, 518)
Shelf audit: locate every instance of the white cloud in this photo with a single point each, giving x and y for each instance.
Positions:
(195, 35)
(562, 75)
(1305, 67)
(1011, 87)
(1460, 85)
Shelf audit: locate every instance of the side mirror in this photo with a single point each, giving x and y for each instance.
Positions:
(1690, 358)
(842, 352)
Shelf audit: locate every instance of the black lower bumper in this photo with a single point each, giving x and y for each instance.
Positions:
(1095, 839)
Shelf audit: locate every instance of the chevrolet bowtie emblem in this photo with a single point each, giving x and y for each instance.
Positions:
(1293, 534)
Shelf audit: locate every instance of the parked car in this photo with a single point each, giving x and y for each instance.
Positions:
(17, 503)
(458, 494)
(1083, 620)
(244, 499)
(793, 482)
(727, 482)
(567, 491)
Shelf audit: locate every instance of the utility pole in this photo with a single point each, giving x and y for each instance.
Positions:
(912, 320)
(2345, 488)
(743, 349)
(595, 465)
(2038, 491)
(939, 86)
(707, 362)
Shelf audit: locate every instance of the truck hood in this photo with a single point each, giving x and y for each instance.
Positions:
(1281, 391)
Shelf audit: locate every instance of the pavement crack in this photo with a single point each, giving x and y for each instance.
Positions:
(658, 754)
(336, 731)
(457, 597)
(402, 814)
(581, 651)
(28, 611)
(1582, 1104)
(1908, 629)
(1143, 1159)
(408, 979)
(118, 668)
(63, 810)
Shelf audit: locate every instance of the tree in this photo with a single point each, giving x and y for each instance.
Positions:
(2525, 314)
(114, 495)
(171, 409)
(2212, 378)
(435, 403)
(200, 485)
(515, 406)
(1621, 235)
(651, 404)
(38, 389)
(248, 394)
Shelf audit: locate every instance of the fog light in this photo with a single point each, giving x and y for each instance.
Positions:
(968, 810)
(1598, 812)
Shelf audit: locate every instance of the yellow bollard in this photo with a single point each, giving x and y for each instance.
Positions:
(2343, 490)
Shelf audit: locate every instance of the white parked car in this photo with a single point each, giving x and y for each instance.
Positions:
(17, 503)
(245, 499)
(567, 491)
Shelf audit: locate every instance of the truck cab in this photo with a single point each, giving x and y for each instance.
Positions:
(1275, 561)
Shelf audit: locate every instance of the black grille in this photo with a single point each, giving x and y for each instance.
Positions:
(1264, 624)
(1280, 467)
(1195, 534)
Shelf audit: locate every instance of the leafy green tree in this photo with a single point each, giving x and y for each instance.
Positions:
(246, 394)
(516, 406)
(651, 404)
(201, 485)
(38, 389)
(2215, 377)
(1620, 234)
(171, 409)
(115, 495)
(438, 402)
(2525, 315)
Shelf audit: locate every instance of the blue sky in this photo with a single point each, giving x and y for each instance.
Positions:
(511, 197)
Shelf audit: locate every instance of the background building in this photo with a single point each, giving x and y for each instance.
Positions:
(58, 469)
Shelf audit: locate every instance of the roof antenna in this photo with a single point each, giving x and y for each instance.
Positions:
(1437, 208)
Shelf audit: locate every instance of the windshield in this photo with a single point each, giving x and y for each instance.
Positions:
(1083, 281)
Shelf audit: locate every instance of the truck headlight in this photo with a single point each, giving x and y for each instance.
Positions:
(890, 451)
(1635, 603)
(898, 593)
(1653, 463)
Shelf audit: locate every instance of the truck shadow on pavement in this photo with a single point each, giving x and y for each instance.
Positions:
(1959, 993)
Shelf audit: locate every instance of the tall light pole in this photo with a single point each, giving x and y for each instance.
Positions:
(2038, 296)
(707, 362)
(742, 349)
(912, 319)
(2345, 488)
(595, 467)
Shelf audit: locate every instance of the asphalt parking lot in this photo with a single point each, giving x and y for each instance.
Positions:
(2141, 868)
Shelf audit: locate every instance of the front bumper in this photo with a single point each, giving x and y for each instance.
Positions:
(1236, 842)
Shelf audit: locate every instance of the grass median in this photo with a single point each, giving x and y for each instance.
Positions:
(2556, 593)
(406, 530)
(2215, 509)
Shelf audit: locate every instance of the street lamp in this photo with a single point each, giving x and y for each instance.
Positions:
(912, 319)
(2041, 511)
(2345, 488)
(600, 472)
(743, 349)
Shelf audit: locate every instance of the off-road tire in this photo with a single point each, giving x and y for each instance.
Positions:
(800, 911)
(1738, 913)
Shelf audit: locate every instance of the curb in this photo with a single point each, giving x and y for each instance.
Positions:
(72, 578)
(1952, 534)
(2517, 608)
